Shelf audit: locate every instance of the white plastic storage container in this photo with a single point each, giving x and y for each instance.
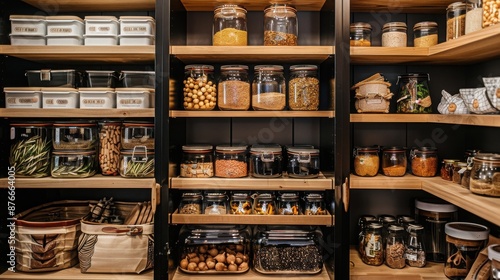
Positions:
(23, 97)
(136, 40)
(101, 25)
(141, 79)
(100, 40)
(64, 26)
(27, 40)
(97, 98)
(137, 25)
(58, 97)
(28, 25)
(64, 40)
(133, 98)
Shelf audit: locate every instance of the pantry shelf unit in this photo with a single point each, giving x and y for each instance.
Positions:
(466, 119)
(76, 113)
(96, 181)
(58, 6)
(251, 114)
(250, 54)
(259, 5)
(250, 275)
(401, 6)
(82, 54)
(74, 274)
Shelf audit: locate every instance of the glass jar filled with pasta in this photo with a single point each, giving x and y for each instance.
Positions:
(366, 161)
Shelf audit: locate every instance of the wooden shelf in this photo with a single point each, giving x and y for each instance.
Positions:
(401, 6)
(362, 271)
(386, 55)
(259, 5)
(247, 54)
(250, 275)
(467, 119)
(407, 182)
(82, 54)
(250, 114)
(51, 6)
(74, 273)
(97, 181)
(77, 113)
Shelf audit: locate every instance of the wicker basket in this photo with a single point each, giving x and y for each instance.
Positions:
(372, 95)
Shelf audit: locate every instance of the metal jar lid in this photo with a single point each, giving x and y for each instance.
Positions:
(467, 231)
(435, 205)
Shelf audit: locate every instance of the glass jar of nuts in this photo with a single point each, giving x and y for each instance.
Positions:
(395, 247)
(268, 88)
(491, 12)
(280, 25)
(234, 88)
(200, 91)
(303, 88)
(191, 203)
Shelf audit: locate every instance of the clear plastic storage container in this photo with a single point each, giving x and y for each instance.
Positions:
(101, 78)
(234, 88)
(138, 79)
(230, 26)
(60, 98)
(137, 163)
(73, 163)
(266, 161)
(138, 134)
(268, 88)
(19, 97)
(73, 136)
(280, 25)
(231, 161)
(200, 89)
(303, 88)
(302, 162)
(197, 161)
(68, 78)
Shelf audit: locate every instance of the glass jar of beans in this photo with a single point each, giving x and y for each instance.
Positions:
(231, 161)
(200, 88)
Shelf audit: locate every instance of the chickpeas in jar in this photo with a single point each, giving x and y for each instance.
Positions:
(200, 89)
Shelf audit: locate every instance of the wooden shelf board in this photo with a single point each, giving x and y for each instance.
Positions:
(301, 5)
(362, 271)
(250, 275)
(323, 220)
(401, 6)
(96, 181)
(76, 113)
(51, 6)
(467, 119)
(407, 182)
(74, 273)
(386, 55)
(390, 118)
(249, 54)
(105, 54)
(250, 114)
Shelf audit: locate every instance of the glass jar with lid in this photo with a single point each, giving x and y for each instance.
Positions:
(494, 256)
(215, 203)
(394, 34)
(469, 159)
(446, 171)
(230, 26)
(459, 169)
(491, 13)
(424, 161)
(138, 162)
(414, 94)
(200, 89)
(395, 247)
(366, 161)
(303, 162)
(303, 88)
(360, 34)
(234, 88)
(314, 204)
(485, 175)
(268, 88)
(288, 204)
(197, 161)
(264, 204)
(191, 203)
(266, 160)
(280, 25)
(138, 134)
(455, 20)
(415, 250)
(373, 249)
(363, 223)
(425, 34)
(386, 221)
(74, 136)
(231, 161)
(110, 138)
(73, 163)
(473, 16)
(240, 203)
(394, 161)
(34, 137)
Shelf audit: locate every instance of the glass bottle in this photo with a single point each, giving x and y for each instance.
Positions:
(394, 34)
(360, 34)
(455, 20)
(268, 88)
(484, 175)
(473, 16)
(200, 91)
(197, 161)
(280, 25)
(366, 161)
(424, 161)
(303, 88)
(373, 250)
(414, 95)
(234, 88)
(425, 34)
(394, 161)
(230, 26)
(415, 250)
(395, 247)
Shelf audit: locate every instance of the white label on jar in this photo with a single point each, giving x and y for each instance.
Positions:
(57, 132)
(135, 29)
(12, 133)
(372, 247)
(25, 29)
(411, 256)
(61, 30)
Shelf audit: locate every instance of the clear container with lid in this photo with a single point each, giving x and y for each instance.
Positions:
(197, 161)
(366, 161)
(215, 203)
(288, 204)
(433, 214)
(264, 204)
(138, 134)
(394, 34)
(231, 161)
(415, 250)
(191, 203)
(360, 34)
(414, 93)
(303, 88)
(473, 16)
(314, 204)
(394, 161)
(464, 243)
(455, 20)
(138, 162)
(485, 175)
(230, 26)
(280, 25)
(425, 34)
(424, 161)
(73, 163)
(395, 247)
(240, 203)
(459, 169)
(303, 162)
(373, 249)
(266, 161)
(110, 137)
(491, 13)
(446, 171)
(33, 137)
(200, 87)
(386, 221)
(494, 256)
(71, 136)
(234, 88)
(268, 88)
(363, 223)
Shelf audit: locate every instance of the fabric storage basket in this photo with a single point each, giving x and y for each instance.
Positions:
(101, 25)
(97, 98)
(27, 40)
(28, 25)
(58, 97)
(452, 104)
(53, 78)
(100, 78)
(47, 236)
(476, 101)
(372, 95)
(19, 97)
(492, 85)
(118, 248)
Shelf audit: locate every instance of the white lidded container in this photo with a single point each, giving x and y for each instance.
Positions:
(137, 25)
(97, 98)
(101, 25)
(28, 25)
(27, 40)
(100, 40)
(133, 98)
(64, 26)
(137, 40)
(59, 97)
(23, 97)
(64, 40)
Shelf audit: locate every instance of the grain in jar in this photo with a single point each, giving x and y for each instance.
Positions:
(473, 16)
(303, 88)
(268, 88)
(230, 26)
(200, 90)
(425, 34)
(280, 25)
(234, 88)
(197, 161)
(455, 20)
(485, 175)
(360, 34)
(394, 161)
(424, 161)
(491, 12)
(366, 161)
(231, 161)
(394, 34)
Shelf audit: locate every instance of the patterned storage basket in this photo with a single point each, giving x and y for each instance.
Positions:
(476, 101)
(372, 95)
(452, 104)
(492, 85)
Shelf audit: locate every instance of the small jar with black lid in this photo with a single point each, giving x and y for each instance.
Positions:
(303, 162)
(360, 34)
(394, 34)
(266, 161)
(425, 34)
(197, 161)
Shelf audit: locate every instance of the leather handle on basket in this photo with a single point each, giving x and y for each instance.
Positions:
(128, 230)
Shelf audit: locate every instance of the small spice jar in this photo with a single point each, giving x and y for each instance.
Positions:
(373, 249)
(268, 88)
(234, 88)
(280, 25)
(394, 161)
(464, 243)
(231, 161)
(303, 88)
(415, 250)
(240, 204)
(458, 170)
(197, 161)
(138, 134)
(288, 204)
(485, 175)
(230, 26)
(73, 163)
(302, 162)
(394, 34)
(110, 137)
(74, 136)
(314, 204)
(264, 204)
(473, 16)
(366, 161)
(266, 161)
(424, 161)
(447, 166)
(491, 13)
(360, 34)
(455, 20)
(191, 203)
(469, 159)
(425, 34)
(494, 257)
(214, 203)
(395, 247)
(200, 91)
(138, 162)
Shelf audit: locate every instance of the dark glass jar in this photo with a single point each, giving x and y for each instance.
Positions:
(303, 162)
(200, 87)
(424, 162)
(414, 95)
(373, 249)
(234, 88)
(266, 161)
(415, 250)
(484, 175)
(197, 161)
(394, 161)
(288, 204)
(395, 247)
(303, 88)
(280, 25)
(230, 26)
(366, 161)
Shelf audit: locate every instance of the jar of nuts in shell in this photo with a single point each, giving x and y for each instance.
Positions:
(303, 88)
(191, 203)
(200, 90)
(234, 88)
(268, 88)
(491, 12)
(231, 161)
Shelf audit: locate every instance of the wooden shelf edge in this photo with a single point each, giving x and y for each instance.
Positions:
(76, 113)
(251, 275)
(407, 182)
(74, 273)
(321, 220)
(203, 5)
(95, 182)
(466, 119)
(251, 114)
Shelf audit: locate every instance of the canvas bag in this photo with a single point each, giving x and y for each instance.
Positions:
(452, 104)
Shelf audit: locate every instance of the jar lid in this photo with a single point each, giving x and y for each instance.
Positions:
(30, 124)
(280, 6)
(231, 7)
(314, 197)
(199, 67)
(231, 148)
(423, 24)
(424, 150)
(265, 196)
(494, 252)
(487, 157)
(367, 149)
(240, 195)
(406, 219)
(233, 68)
(144, 151)
(387, 218)
(197, 148)
(269, 148)
(212, 194)
(395, 228)
(294, 150)
(362, 25)
(196, 195)
(140, 124)
(289, 196)
(74, 152)
(395, 24)
(434, 205)
(456, 5)
(413, 76)
(305, 67)
(394, 149)
(467, 231)
(414, 227)
(460, 164)
(450, 160)
(259, 68)
(74, 124)
(374, 225)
